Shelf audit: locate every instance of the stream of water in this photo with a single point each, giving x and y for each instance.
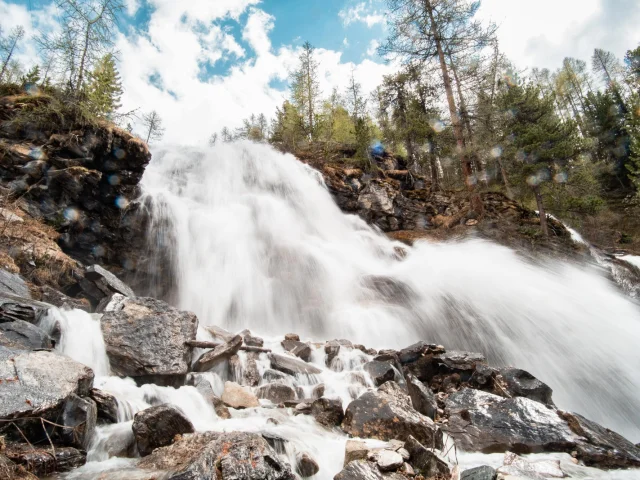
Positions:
(256, 241)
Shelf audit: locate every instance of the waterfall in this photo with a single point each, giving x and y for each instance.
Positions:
(256, 241)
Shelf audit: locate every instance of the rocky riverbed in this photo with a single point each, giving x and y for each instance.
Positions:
(131, 392)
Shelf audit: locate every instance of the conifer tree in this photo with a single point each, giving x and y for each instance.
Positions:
(32, 77)
(305, 89)
(104, 89)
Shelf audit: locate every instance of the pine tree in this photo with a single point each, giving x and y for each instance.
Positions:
(305, 89)
(538, 143)
(32, 77)
(105, 88)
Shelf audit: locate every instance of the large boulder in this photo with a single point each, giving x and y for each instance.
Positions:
(387, 414)
(157, 426)
(210, 359)
(445, 364)
(426, 461)
(38, 384)
(24, 335)
(107, 281)
(291, 365)
(225, 456)
(13, 284)
(520, 383)
(360, 470)
(297, 348)
(480, 421)
(146, 337)
(381, 372)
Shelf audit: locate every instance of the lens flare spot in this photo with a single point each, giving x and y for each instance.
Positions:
(122, 202)
(496, 151)
(119, 153)
(71, 214)
(114, 179)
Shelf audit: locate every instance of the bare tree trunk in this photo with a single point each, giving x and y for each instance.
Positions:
(83, 59)
(9, 55)
(541, 211)
(435, 180)
(505, 178)
(476, 201)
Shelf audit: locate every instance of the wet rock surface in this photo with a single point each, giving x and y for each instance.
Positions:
(157, 427)
(291, 365)
(210, 359)
(226, 456)
(422, 398)
(327, 411)
(43, 461)
(23, 335)
(145, 336)
(520, 383)
(387, 414)
(106, 404)
(276, 393)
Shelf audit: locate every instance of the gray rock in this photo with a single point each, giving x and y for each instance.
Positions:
(327, 411)
(481, 421)
(599, 446)
(23, 335)
(228, 456)
(381, 372)
(253, 341)
(96, 273)
(360, 470)
(332, 348)
(292, 336)
(306, 466)
(544, 468)
(292, 366)
(388, 289)
(14, 308)
(413, 352)
(157, 426)
(145, 336)
(276, 393)
(318, 391)
(387, 460)
(237, 396)
(299, 349)
(484, 472)
(38, 383)
(422, 398)
(13, 284)
(247, 373)
(79, 417)
(212, 358)
(13, 471)
(107, 405)
(425, 461)
(387, 414)
(520, 383)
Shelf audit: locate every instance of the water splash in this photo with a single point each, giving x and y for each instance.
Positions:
(257, 242)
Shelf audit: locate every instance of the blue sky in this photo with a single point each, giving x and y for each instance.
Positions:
(205, 64)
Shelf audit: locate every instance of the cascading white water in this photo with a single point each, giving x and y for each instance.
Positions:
(258, 243)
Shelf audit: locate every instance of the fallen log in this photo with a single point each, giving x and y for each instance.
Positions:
(205, 344)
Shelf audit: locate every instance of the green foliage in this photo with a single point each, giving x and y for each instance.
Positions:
(32, 77)
(633, 128)
(305, 90)
(104, 88)
(287, 127)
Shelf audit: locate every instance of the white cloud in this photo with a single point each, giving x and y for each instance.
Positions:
(132, 7)
(542, 33)
(345, 42)
(373, 47)
(256, 32)
(362, 12)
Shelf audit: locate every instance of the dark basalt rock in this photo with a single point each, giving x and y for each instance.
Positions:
(422, 398)
(413, 352)
(276, 393)
(387, 414)
(463, 364)
(210, 359)
(42, 461)
(327, 411)
(146, 337)
(382, 372)
(225, 456)
(23, 335)
(157, 426)
(520, 383)
(481, 421)
(306, 466)
(107, 405)
(292, 366)
(79, 417)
